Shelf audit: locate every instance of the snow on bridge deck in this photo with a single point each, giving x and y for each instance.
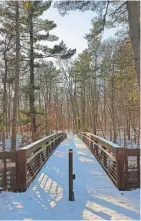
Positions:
(95, 195)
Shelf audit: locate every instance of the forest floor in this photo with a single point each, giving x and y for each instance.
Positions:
(96, 197)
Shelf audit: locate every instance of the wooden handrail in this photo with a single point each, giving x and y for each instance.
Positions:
(32, 157)
(35, 145)
(123, 175)
(105, 143)
(101, 148)
(42, 149)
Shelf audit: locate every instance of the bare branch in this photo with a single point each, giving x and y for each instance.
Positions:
(104, 18)
(119, 8)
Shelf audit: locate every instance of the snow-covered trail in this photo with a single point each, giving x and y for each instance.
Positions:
(95, 195)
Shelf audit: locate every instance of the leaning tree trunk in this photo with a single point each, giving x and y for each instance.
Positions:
(133, 8)
(17, 70)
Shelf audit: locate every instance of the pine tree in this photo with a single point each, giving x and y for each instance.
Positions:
(39, 30)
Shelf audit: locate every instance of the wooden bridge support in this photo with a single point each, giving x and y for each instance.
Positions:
(22, 171)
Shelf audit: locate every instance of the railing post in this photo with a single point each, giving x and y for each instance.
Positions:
(120, 169)
(22, 170)
(71, 176)
(47, 154)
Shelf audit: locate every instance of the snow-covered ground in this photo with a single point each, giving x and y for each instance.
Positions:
(96, 197)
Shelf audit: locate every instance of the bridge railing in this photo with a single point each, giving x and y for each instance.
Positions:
(121, 164)
(18, 169)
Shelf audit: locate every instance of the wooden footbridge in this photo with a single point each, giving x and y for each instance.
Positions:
(18, 169)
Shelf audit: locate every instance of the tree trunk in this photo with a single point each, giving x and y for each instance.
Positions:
(17, 70)
(128, 125)
(83, 105)
(94, 105)
(113, 104)
(9, 111)
(4, 105)
(133, 8)
(32, 95)
(105, 120)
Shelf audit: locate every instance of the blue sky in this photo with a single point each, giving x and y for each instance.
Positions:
(72, 28)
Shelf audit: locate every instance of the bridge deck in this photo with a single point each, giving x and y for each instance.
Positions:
(95, 195)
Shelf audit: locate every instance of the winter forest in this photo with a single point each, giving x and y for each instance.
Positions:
(47, 86)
